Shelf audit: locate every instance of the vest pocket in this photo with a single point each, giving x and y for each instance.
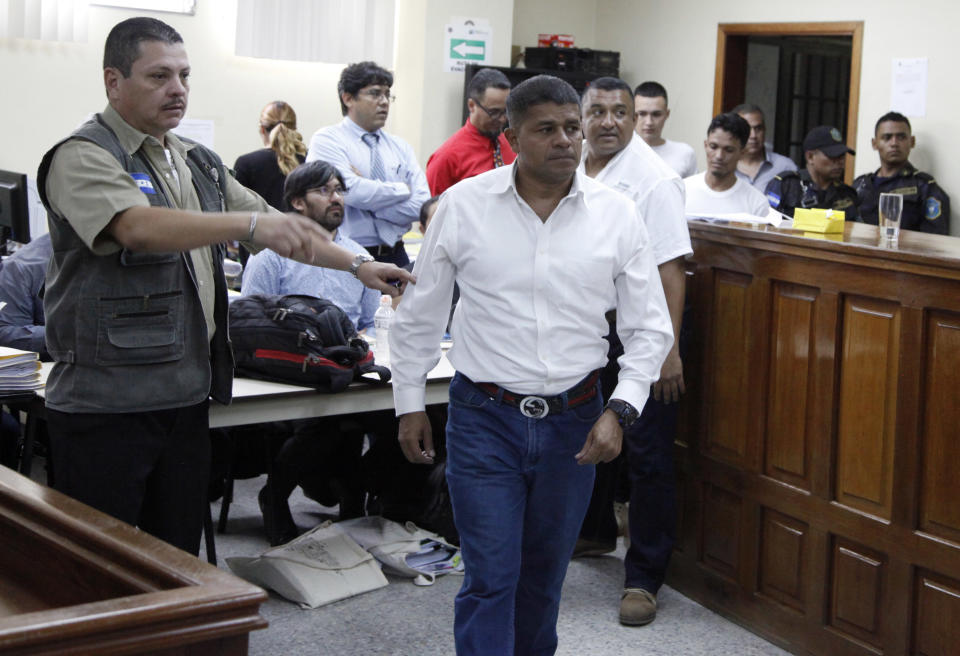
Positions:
(140, 330)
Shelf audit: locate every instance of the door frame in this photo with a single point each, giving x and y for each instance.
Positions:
(853, 29)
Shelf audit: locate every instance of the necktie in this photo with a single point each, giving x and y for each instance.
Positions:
(497, 155)
(376, 164)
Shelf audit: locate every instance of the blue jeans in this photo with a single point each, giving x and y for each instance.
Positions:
(518, 499)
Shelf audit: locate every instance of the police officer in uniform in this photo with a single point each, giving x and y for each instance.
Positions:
(820, 184)
(926, 207)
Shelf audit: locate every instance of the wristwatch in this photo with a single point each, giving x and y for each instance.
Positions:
(626, 413)
(359, 258)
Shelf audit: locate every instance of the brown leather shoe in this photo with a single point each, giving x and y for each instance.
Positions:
(637, 607)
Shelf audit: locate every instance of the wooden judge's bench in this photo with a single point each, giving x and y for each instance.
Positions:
(75, 581)
(819, 450)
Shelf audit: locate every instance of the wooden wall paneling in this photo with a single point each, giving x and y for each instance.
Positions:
(939, 512)
(824, 410)
(721, 530)
(856, 591)
(784, 545)
(907, 443)
(787, 447)
(728, 391)
(936, 615)
(869, 368)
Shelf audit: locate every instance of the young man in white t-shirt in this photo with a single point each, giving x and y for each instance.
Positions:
(718, 190)
(651, 112)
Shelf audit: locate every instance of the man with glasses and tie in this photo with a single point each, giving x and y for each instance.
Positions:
(317, 191)
(480, 144)
(387, 185)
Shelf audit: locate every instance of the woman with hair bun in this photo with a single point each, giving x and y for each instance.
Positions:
(265, 170)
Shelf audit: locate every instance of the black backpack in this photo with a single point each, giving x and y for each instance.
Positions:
(298, 339)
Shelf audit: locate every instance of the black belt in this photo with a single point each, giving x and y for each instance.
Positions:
(377, 251)
(534, 406)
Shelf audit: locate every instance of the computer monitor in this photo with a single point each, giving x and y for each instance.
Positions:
(14, 212)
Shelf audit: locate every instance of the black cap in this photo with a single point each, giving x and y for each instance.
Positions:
(826, 139)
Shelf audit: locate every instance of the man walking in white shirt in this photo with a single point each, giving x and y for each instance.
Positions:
(387, 186)
(652, 113)
(618, 158)
(540, 253)
(718, 190)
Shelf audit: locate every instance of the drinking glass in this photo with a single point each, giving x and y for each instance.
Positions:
(891, 207)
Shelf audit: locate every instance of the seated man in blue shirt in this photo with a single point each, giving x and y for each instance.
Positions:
(22, 321)
(21, 303)
(322, 455)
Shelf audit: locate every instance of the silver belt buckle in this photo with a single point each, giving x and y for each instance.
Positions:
(534, 407)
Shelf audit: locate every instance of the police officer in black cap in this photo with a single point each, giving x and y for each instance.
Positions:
(926, 207)
(820, 184)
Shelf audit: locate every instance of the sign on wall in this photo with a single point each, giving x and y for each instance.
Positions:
(908, 86)
(466, 41)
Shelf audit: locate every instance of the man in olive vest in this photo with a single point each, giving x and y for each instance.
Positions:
(136, 296)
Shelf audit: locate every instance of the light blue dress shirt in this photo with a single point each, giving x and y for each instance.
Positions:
(773, 165)
(378, 212)
(269, 273)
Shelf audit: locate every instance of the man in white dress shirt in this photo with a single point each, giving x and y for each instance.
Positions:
(617, 157)
(387, 185)
(718, 190)
(652, 113)
(540, 253)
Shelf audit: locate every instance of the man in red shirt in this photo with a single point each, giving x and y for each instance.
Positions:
(479, 145)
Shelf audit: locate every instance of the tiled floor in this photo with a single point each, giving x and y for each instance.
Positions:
(403, 619)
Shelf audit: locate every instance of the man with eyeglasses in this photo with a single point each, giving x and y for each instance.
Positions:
(387, 185)
(315, 190)
(480, 144)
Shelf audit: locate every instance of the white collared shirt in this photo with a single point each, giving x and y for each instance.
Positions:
(640, 174)
(533, 294)
(376, 212)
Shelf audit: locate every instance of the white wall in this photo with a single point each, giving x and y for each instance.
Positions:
(440, 103)
(52, 87)
(676, 43)
(576, 17)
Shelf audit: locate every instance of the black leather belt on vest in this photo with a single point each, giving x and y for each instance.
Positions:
(377, 251)
(537, 407)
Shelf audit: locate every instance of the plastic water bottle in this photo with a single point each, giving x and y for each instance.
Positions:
(382, 319)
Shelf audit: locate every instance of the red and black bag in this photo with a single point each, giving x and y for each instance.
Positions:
(301, 340)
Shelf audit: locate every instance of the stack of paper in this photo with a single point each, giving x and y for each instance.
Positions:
(19, 371)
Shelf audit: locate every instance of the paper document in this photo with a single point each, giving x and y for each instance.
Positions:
(773, 218)
(19, 370)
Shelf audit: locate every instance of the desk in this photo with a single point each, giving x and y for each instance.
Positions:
(256, 401)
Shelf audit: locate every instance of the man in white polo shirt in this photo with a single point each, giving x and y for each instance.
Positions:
(652, 113)
(617, 157)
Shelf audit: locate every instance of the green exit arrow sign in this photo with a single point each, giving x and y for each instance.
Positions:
(467, 49)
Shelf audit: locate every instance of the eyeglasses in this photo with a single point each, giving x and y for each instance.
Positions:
(377, 94)
(328, 191)
(495, 114)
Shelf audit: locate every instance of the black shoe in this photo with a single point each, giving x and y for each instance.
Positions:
(278, 523)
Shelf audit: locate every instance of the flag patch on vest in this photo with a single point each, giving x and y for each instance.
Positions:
(774, 199)
(143, 181)
(933, 209)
